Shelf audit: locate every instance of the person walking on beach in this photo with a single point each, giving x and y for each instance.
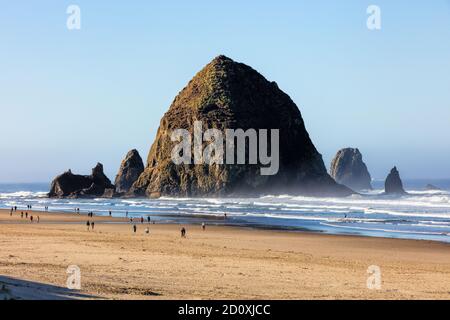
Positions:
(21, 215)
(134, 228)
(126, 214)
(31, 219)
(10, 214)
(92, 225)
(26, 215)
(203, 226)
(142, 220)
(88, 225)
(183, 232)
(15, 208)
(110, 213)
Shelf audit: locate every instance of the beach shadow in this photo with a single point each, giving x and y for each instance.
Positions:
(17, 289)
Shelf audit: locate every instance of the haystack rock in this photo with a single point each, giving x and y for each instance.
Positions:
(348, 168)
(130, 170)
(394, 184)
(230, 95)
(73, 185)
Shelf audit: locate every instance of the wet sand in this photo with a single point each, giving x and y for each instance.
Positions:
(219, 263)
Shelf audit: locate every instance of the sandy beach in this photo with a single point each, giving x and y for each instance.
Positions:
(219, 263)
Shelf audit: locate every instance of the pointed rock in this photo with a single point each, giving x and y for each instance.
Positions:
(394, 184)
(230, 95)
(349, 169)
(130, 170)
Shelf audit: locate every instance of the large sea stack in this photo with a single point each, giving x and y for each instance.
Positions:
(75, 186)
(231, 95)
(349, 169)
(394, 184)
(130, 170)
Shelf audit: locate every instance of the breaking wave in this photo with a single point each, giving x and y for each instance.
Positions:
(418, 215)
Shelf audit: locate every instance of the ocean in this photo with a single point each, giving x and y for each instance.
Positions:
(420, 215)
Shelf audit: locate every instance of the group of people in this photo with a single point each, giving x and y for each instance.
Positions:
(147, 230)
(90, 225)
(184, 231)
(22, 214)
(141, 220)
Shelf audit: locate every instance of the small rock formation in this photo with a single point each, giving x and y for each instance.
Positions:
(110, 193)
(431, 187)
(348, 168)
(130, 170)
(230, 95)
(394, 184)
(75, 186)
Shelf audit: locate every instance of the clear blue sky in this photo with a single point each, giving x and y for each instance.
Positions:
(71, 98)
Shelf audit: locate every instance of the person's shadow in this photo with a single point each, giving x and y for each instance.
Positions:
(17, 289)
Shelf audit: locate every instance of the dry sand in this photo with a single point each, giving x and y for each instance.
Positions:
(219, 263)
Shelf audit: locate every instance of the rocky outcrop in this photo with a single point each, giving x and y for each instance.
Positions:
(130, 170)
(73, 185)
(394, 184)
(430, 187)
(110, 193)
(230, 95)
(348, 168)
